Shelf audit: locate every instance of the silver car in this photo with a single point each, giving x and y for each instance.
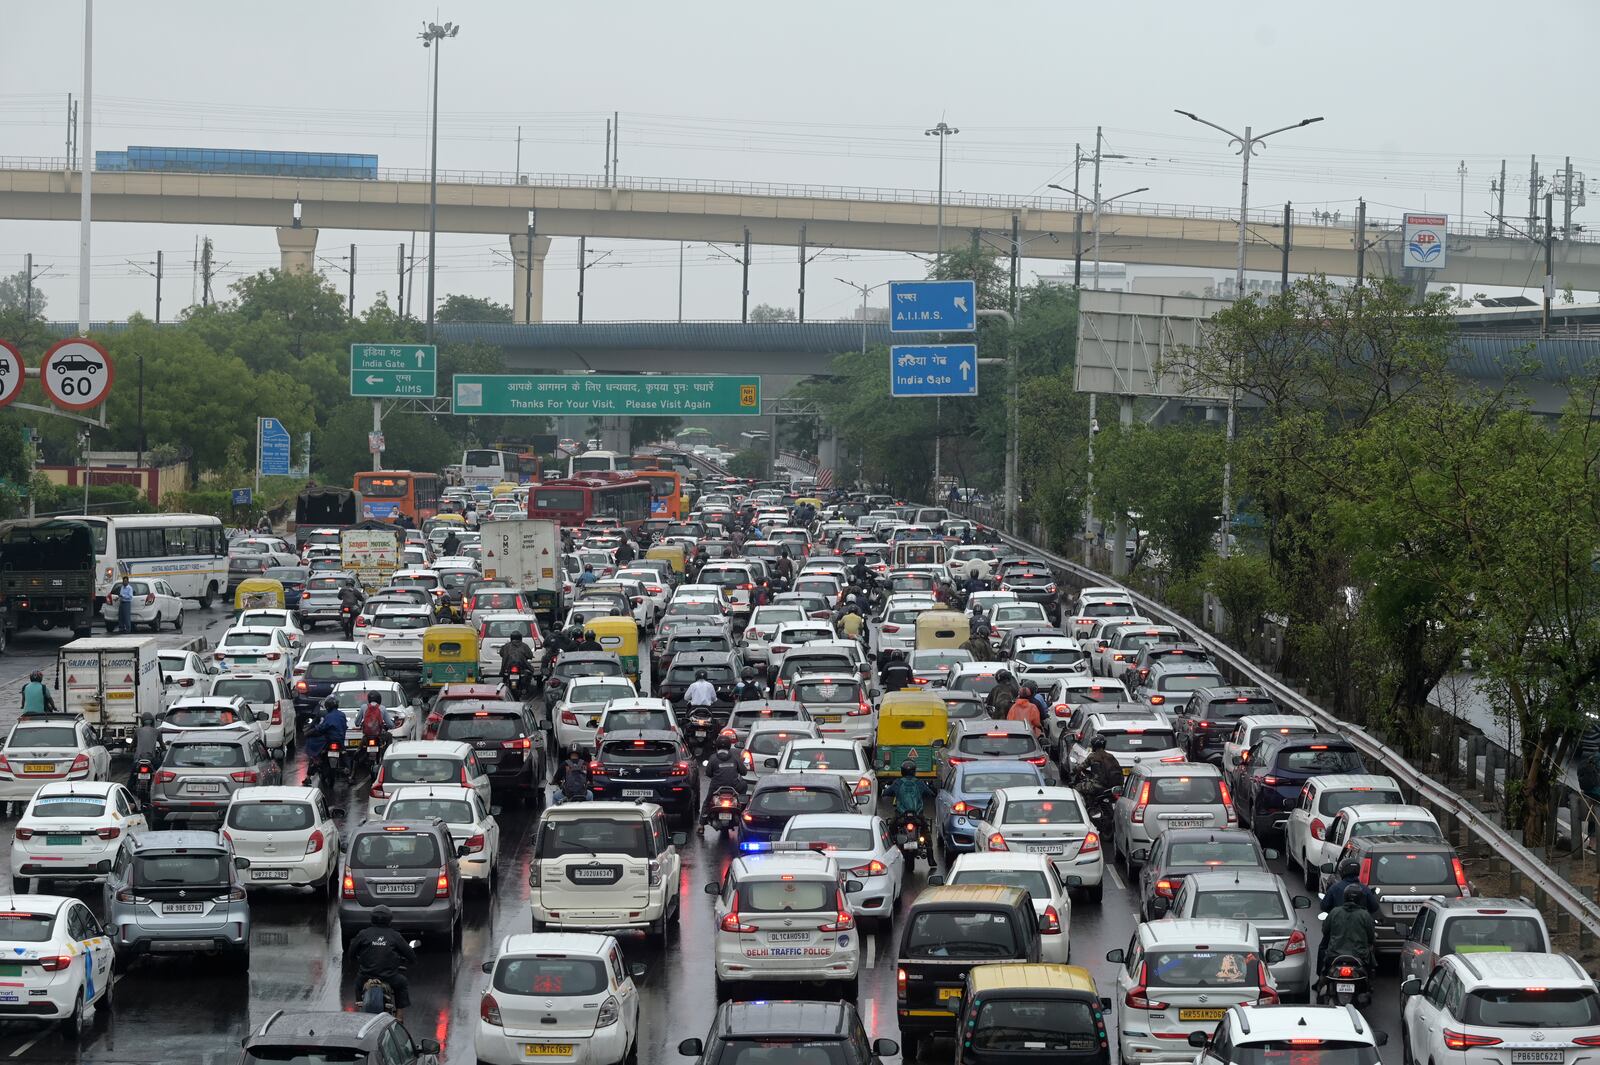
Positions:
(178, 893)
(200, 773)
(1259, 897)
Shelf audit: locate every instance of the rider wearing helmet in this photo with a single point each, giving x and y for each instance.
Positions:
(1348, 873)
(1101, 766)
(381, 953)
(589, 642)
(749, 687)
(146, 744)
(331, 729)
(36, 697)
(724, 773)
(910, 791)
(1349, 930)
(515, 651)
(1002, 695)
(702, 692)
(895, 674)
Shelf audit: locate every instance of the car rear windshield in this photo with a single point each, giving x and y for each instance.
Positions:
(1200, 968)
(1175, 791)
(1034, 1025)
(402, 622)
(420, 770)
(270, 816)
(251, 691)
(550, 976)
(588, 836)
(1050, 656)
(1150, 739)
(336, 671)
(831, 692)
(1477, 933)
(1332, 800)
(591, 694)
(795, 636)
(450, 811)
(1239, 905)
(745, 720)
(984, 782)
(695, 608)
(962, 934)
(1231, 709)
(44, 736)
(496, 601)
(507, 628)
(997, 745)
(324, 584)
(617, 720)
(1187, 682)
(489, 726)
(394, 850)
(787, 896)
(1042, 812)
(639, 751)
(785, 1050)
(837, 837)
(204, 756)
(248, 639)
(1531, 1008)
(769, 741)
(26, 927)
(795, 664)
(978, 683)
(162, 870)
(1032, 881)
(1209, 852)
(823, 758)
(680, 644)
(723, 578)
(201, 716)
(1396, 828)
(1412, 867)
(686, 674)
(67, 806)
(1305, 1052)
(798, 799)
(1320, 758)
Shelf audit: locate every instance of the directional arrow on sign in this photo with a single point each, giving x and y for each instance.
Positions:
(422, 357)
(966, 371)
(371, 380)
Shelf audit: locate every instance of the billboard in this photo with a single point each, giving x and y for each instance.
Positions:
(1425, 241)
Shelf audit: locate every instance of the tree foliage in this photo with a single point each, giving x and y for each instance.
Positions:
(750, 463)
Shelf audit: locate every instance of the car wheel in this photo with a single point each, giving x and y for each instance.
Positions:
(1310, 874)
(1095, 892)
(155, 623)
(104, 1005)
(177, 622)
(72, 1023)
(205, 600)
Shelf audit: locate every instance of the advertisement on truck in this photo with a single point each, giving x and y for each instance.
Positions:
(372, 554)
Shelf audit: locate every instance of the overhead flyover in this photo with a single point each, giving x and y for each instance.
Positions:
(817, 216)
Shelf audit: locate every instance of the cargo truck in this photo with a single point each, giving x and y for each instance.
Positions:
(110, 680)
(525, 553)
(371, 550)
(47, 575)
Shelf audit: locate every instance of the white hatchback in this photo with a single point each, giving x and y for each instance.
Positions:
(430, 762)
(1050, 821)
(268, 618)
(563, 996)
(577, 715)
(72, 832)
(289, 835)
(154, 604)
(267, 694)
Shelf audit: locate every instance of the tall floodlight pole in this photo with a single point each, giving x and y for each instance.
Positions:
(84, 178)
(941, 131)
(1246, 148)
(431, 34)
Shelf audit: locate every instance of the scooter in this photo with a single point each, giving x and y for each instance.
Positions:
(144, 771)
(702, 731)
(1344, 980)
(911, 836)
(722, 813)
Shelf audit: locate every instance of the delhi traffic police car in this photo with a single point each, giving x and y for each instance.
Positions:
(57, 960)
(781, 915)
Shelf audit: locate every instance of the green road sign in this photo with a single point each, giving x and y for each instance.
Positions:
(384, 371)
(606, 394)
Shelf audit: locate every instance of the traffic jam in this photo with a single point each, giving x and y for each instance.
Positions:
(615, 768)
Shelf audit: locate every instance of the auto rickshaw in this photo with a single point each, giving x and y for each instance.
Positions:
(503, 490)
(258, 593)
(620, 636)
(673, 553)
(449, 656)
(910, 723)
(940, 629)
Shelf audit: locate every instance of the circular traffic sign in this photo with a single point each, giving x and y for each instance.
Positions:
(76, 374)
(11, 375)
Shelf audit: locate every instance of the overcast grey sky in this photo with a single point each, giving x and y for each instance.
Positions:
(826, 92)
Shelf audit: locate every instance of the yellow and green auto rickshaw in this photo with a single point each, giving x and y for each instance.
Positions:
(674, 554)
(449, 656)
(910, 724)
(258, 593)
(620, 636)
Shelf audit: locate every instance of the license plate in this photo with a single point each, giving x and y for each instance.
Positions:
(245, 660)
(699, 733)
(546, 1050)
(204, 789)
(38, 767)
(1407, 908)
(182, 907)
(1538, 1057)
(1189, 822)
(269, 874)
(62, 841)
(637, 793)
(391, 889)
(788, 937)
(10, 970)
(1198, 1014)
(947, 993)
(488, 756)
(829, 719)
(1344, 989)
(1044, 848)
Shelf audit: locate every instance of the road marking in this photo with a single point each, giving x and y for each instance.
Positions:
(1111, 871)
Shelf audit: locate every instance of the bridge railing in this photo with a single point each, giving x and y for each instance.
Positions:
(1266, 216)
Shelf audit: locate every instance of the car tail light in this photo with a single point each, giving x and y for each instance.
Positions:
(441, 886)
(55, 963)
(872, 868)
(1037, 759)
(1296, 944)
(476, 843)
(748, 760)
(1455, 1040)
(1165, 887)
(245, 776)
(680, 769)
(1137, 816)
(347, 886)
(1137, 997)
(126, 895)
(960, 808)
(731, 922)
(597, 768)
(568, 717)
(1272, 781)
(887, 627)
(1157, 700)
(166, 776)
(1318, 828)
(219, 656)
(1461, 876)
(1050, 922)
(863, 708)
(1091, 844)
(466, 781)
(863, 787)
(1266, 996)
(108, 833)
(24, 833)
(299, 686)
(80, 764)
(843, 920)
(997, 842)
(231, 895)
(150, 599)
(1587, 1040)
(1366, 870)
(900, 982)
(316, 842)
(489, 1010)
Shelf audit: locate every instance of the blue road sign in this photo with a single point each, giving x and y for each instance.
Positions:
(933, 370)
(241, 497)
(933, 306)
(272, 449)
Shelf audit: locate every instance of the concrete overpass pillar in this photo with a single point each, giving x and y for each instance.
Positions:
(519, 278)
(828, 456)
(297, 249)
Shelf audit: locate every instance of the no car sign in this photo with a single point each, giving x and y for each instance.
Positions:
(11, 374)
(76, 374)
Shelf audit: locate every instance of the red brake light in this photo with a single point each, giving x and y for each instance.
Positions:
(1317, 828)
(997, 842)
(441, 887)
(1366, 870)
(1461, 876)
(246, 776)
(347, 887)
(1050, 922)
(1137, 816)
(1091, 844)
(1297, 943)
(317, 841)
(24, 833)
(1455, 1040)
(166, 776)
(476, 843)
(1164, 887)
(489, 1010)
(55, 963)
(80, 764)
(108, 833)
(1136, 998)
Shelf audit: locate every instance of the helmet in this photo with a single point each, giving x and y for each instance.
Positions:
(1354, 894)
(1098, 743)
(330, 703)
(588, 634)
(374, 697)
(908, 768)
(36, 675)
(147, 719)
(382, 915)
(747, 673)
(700, 674)
(724, 754)
(516, 637)
(1004, 676)
(1349, 867)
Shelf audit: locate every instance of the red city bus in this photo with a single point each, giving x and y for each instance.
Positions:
(572, 501)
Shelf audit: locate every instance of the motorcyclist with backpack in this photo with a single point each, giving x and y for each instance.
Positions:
(376, 721)
(349, 607)
(1002, 695)
(724, 773)
(381, 953)
(749, 687)
(1101, 768)
(575, 779)
(910, 792)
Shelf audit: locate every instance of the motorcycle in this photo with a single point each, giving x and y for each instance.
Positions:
(376, 996)
(1344, 980)
(911, 836)
(702, 730)
(144, 771)
(517, 680)
(1101, 803)
(347, 620)
(722, 812)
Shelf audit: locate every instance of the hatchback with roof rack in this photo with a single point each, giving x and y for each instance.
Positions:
(1404, 872)
(1157, 796)
(1473, 925)
(336, 1036)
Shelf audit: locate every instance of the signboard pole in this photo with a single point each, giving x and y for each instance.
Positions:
(377, 430)
(258, 455)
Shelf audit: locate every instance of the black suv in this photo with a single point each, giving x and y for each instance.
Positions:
(1278, 767)
(510, 744)
(652, 765)
(359, 1038)
(778, 797)
(721, 669)
(1206, 720)
(832, 1030)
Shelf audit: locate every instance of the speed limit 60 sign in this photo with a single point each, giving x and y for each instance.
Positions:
(76, 374)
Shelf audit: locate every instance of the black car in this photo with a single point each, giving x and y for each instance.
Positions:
(357, 1038)
(778, 797)
(815, 1031)
(316, 683)
(1206, 720)
(647, 765)
(720, 667)
(1178, 852)
(571, 664)
(1033, 584)
(1278, 767)
(510, 744)
(245, 567)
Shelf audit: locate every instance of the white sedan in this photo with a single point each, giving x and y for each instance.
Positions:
(1036, 874)
(269, 618)
(49, 747)
(58, 960)
(463, 812)
(71, 832)
(865, 851)
(154, 604)
(265, 648)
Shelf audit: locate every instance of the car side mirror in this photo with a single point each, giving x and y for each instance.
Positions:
(487, 967)
(1160, 907)
(713, 889)
(1142, 854)
(1116, 955)
(1326, 867)
(1237, 760)
(680, 838)
(885, 1048)
(937, 744)
(428, 1046)
(1199, 1040)
(875, 693)
(1269, 853)
(1301, 902)
(1274, 955)
(241, 863)
(637, 969)
(935, 879)
(378, 810)
(1117, 791)
(691, 1048)
(769, 763)
(463, 850)
(336, 811)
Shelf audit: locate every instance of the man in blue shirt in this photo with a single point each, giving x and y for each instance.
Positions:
(125, 606)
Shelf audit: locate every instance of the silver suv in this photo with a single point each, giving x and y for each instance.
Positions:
(178, 893)
(201, 772)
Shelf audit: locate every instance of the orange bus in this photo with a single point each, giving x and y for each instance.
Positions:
(666, 493)
(388, 494)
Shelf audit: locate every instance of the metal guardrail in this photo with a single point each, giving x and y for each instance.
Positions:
(1501, 842)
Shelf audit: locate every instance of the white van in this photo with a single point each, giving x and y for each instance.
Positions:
(605, 865)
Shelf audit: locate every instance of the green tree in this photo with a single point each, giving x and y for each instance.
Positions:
(766, 312)
(459, 308)
(1172, 478)
(750, 463)
(14, 292)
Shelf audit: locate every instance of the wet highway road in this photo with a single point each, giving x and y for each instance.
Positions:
(173, 1010)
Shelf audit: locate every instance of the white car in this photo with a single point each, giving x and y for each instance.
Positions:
(781, 915)
(71, 832)
(641, 887)
(985, 601)
(840, 704)
(268, 618)
(791, 634)
(896, 628)
(430, 762)
(154, 604)
(184, 671)
(766, 739)
(289, 835)
(1130, 740)
(1068, 699)
(655, 589)
(1353, 822)
(267, 649)
(395, 636)
(1038, 661)
(1019, 615)
(279, 550)
(49, 747)
(464, 812)
(865, 851)
(1305, 833)
(971, 560)
(268, 695)
(1036, 874)
(1487, 1008)
(1247, 1035)
(494, 632)
(1051, 821)
(208, 714)
(60, 960)
(845, 759)
(644, 712)
(578, 713)
(578, 982)
(353, 696)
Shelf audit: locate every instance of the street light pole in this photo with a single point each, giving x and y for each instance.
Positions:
(1247, 146)
(432, 33)
(864, 290)
(941, 131)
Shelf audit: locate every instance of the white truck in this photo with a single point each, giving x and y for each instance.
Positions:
(111, 681)
(525, 553)
(371, 554)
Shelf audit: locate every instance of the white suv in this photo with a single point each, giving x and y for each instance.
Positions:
(289, 835)
(1487, 1008)
(1250, 1034)
(605, 865)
